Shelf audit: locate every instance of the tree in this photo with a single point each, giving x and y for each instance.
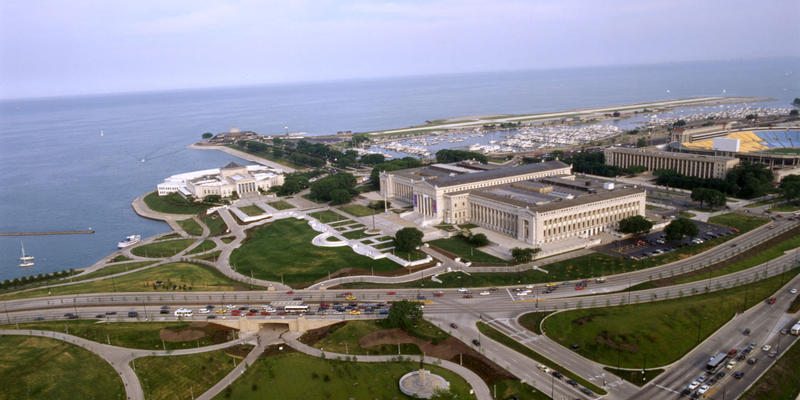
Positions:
(793, 113)
(712, 198)
(752, 180)
(790, 188)
(212, 198)
(641, 142)
(323, 188)
(679, 228)
(372, 159)
(449, 156)
(394, 165)
(340, 196)
(208, 135)
(479, 240)
(796, 102)
(523, 255)
(408, 239)
(635, 225)
(403, 314)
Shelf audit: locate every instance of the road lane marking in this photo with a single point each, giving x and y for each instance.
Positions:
(667, 389)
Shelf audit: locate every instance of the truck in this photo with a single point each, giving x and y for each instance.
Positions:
(795, 329)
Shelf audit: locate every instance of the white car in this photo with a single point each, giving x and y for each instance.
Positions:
(485, 293)
(793, 291)
(203, 310)
(694, 385)
(463, 290)
(766, 347)
(731, 364)
(703, 389)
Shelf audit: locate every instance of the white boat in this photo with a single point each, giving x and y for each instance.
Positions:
(25, 260)
(129, 241)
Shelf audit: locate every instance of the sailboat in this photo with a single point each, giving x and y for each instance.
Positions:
(25, 260)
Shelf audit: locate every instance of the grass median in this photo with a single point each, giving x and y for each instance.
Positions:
(252, 210)
(359, 210)
(191, 227)
(781, 381)
(116, 268)
(173, 203)
(173, 277)
(167, 248)
(281, 205)
(507, 341)
(42, 368)
(658, 333)
(283, 250)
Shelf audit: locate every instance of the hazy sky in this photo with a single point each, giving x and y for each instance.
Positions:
(55, 47)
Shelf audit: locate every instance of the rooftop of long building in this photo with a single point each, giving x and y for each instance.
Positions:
(444, 175)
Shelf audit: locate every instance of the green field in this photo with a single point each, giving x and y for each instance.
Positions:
(358, 210)
(215, 224)
(327, 216)
(117, 268)
(41, 368)
(344, 339)
(741, 222)
(290, 375)
(173, 235)
(283, 248)
(533, 321)
(635, 376)
(658, 333)
(252, 210)
(173, 204)
(203, 247)
(191, 227)
(505, 340)
(167, 248)
(510, 388)
(281, 205)
(138, 335)
(182, 276)
(780, 381)
(181, 377)
(461, 248)
(359, 234)
(119, 258)
(786, 207)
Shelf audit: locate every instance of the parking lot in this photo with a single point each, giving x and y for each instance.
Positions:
(655, 243)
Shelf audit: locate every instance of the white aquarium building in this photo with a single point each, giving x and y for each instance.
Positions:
(223, 182)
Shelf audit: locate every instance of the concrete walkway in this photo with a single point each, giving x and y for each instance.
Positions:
(478, 385)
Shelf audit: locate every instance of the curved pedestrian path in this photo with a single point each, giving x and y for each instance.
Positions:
(479, 387)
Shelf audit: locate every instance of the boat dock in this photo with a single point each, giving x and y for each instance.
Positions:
(46, 233)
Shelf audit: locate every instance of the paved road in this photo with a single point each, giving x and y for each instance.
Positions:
(475, 381)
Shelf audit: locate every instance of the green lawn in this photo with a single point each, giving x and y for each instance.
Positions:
(780, 382)
(344, 339)
(203, 247)
(41, 368)
(741, 222)
(756, 256)
(359, 234)
(181, 377)
(252, 210)
(509, 388)
(283, 248)
(358, 210)
(635, 376)
(173, 204)
(191, 227)
(786, 207)
(228, 239)
(117, 268)
(291, 375)
(658, 333)
(167, 248)
(533, 321)
(185, 276)
(327, 216)
(507, 341)
(215, 224)
(139, 335)
(687, 214)
(213, 256)
(281, 205)
(461, 248)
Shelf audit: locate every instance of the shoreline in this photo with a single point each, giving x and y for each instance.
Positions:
(467, 122)
(243, 155)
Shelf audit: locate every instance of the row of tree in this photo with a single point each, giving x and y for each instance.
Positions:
(338, 188)
(450, 156)
(744, 181)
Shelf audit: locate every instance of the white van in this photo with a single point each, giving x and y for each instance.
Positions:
(183, 312)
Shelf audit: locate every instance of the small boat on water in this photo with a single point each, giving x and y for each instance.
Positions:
(129, 241)
(25, 260)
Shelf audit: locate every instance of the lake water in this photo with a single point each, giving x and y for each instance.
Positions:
(60, 173)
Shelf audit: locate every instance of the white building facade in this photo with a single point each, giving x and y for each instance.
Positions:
(223, 182)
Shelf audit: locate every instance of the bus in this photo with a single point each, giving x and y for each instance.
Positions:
(299, 309)
(716, 362)
(183, 312)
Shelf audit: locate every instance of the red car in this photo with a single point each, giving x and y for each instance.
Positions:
(236, 313)
(771, 300)
(392, 293)
(265, 313)
(290, 292)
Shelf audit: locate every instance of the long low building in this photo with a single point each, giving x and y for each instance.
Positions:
(223, 181)
(534, 203)
(699, 165)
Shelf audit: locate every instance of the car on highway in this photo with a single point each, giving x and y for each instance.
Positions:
(476, 342)
(771, 300)
(571, 382)
(746, 332)
(453, 325)
(731, 364)
(752, 360)
(693, 385)
(703, 389)
(793, 291)
(738, 375)
(557, 375)
(467, 296)
(391, 293)
(485, 293)
(766, 347)
(463, 290)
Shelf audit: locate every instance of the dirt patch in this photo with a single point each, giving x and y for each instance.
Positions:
(315, 335)
(582, 321)
(450, 349)
(196, 331)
